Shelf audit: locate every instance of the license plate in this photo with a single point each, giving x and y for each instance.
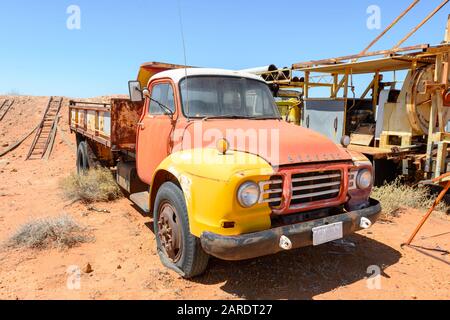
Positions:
(328, 233)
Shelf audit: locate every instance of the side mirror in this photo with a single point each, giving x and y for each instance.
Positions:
(135, 91)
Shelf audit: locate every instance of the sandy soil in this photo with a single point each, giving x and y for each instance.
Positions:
(124, 260)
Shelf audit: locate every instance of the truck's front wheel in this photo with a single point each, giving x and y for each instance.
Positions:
(178, 249)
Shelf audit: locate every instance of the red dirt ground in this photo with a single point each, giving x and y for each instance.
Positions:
(124, 260)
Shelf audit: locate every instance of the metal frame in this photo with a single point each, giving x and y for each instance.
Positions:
(337, 74)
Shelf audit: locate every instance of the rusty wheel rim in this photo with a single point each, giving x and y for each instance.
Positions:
(169, 232)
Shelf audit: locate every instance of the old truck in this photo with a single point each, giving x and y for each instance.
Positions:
(206, 153)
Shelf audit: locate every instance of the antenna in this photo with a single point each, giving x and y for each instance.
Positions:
(185, 58)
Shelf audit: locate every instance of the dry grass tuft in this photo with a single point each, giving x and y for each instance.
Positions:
(396, 195)
(95, 185)
(58, 232)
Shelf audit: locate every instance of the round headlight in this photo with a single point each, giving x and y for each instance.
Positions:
(248, 194)
(364, 179)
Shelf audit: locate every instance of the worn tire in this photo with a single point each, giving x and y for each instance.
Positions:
(193, 260)
(86, 158)
(82, 157)
(92, 158)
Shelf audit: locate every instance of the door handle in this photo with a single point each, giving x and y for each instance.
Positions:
(141, 125)
(307, 121)
(336, 124)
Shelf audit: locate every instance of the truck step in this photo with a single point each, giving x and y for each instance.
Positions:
(142, 200)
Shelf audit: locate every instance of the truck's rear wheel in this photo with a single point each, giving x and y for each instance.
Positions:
(86, 158)
(178, 249)
(82, 157)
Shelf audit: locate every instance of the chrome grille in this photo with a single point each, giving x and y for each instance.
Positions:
(271, 191)
(315, 186)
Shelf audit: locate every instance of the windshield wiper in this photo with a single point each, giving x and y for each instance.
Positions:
(224, 117)
(240, 117)
(165, 108)
(264, 118)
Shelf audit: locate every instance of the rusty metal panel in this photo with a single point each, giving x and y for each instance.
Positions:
(128, 178)
(81, 118)
(112, 124)
(149, 69)
(104, 123)
(73, 117)
(91, 121)
(125, 116)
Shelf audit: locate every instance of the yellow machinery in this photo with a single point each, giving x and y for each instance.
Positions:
(290, 110)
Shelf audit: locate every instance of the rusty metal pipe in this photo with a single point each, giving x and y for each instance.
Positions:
(259, 70)
(421, 24)
(430, 211)
(393, 23)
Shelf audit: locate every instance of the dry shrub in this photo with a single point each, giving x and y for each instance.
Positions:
(57, 232)
(396, 195)
(94, 185)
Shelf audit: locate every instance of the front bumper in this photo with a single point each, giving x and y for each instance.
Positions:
(252, 245)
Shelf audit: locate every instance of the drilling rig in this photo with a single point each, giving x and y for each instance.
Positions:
(403, 131)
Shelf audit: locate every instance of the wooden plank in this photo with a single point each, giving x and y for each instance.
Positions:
(369, 87)
(430, 142)
(376, 86)
(306, 85)
(376, 153)
(7, 104)
(334, 88)
(38, 133)
(46, 129)
(361, 139)
(52, 139)
(441, 157)
(339, 86)
(19, 142)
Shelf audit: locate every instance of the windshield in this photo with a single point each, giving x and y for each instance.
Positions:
(216, 96)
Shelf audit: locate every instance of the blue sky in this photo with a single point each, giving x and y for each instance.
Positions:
(40, 56)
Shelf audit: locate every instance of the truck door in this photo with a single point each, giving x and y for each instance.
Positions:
(155, 130)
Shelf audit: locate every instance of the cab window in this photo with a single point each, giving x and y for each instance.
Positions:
(162, 93)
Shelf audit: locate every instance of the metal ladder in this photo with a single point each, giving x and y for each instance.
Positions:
(5, 106)
(45, 135)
